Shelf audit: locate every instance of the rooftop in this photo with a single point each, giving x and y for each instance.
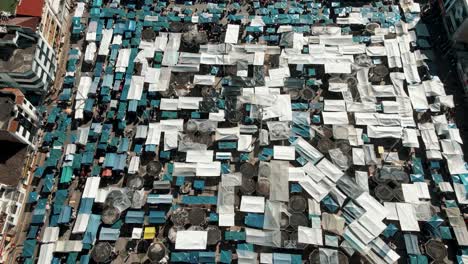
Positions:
(7, 106)
(29, 8)
(17, 50)
(26, 22)
(8, 5)
(11, 162)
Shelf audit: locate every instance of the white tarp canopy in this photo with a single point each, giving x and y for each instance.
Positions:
(334, 105)
(90, 52)
(329, 169)
(162, 84)
(189, 103)
(372, 206)
(154, 134)
(191, 240)
(308, 151)
(83, 133)
(266, 238)
(134, 164)
(335, 118)
(410, 138)
(199, 156)
(91, 31)
(81, 223)
(208, 169)
(429, 136)
(64, 246)
(152, 75)
(136, 88)
(407, 217)
(307, 235)
(204, 79)
(80, 7)
(384, 132)
(122, 60)
(418, 97)
(105, 41)
(455, 164)
(252, 204)
(91, 187)
(232, 34)
(51, 234)
(46, 253)
(83, 88)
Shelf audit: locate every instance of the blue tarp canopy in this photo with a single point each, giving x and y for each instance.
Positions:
(66, 176)
(65, 95)
(87, 158)
(187, 199)
(60, 197)
(84, 259)
(135, 217)
(65, 215)
(89, 103)
(32, 233)
(40, 170)
(132, 105)
(86, 205)
(39, 212)
(158, 199)
(120, 162)
(110, 160)
(157, 217)
(71, 259)
(123, 146)
(109, 234)
(92, 228)
(29, 246)
(32, 197)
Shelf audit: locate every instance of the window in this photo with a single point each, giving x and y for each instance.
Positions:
(13, 209)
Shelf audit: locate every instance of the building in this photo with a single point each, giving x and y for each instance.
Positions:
(30, 8)
(27, 62)
(13, 191)
(455, 18)
(55, 21)
(18, 126)
(11, 202)
(18, 118)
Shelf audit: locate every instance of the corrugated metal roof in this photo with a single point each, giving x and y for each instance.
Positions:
(30, 8)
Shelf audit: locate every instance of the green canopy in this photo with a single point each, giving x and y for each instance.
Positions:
(66, 176)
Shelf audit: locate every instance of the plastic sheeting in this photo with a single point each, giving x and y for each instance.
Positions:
(136, 88)
(407, 217)
(418, 97)
(191, 240)
(232, 34)
(46, 252)
(335, 118)
(263, 238)
(83, 88)
(91, 187)
(279, 183)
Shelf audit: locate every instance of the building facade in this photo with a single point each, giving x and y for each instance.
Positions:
(27, 61)
(18, 119)
(55, 20)
(455, 18)
(11, 202)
